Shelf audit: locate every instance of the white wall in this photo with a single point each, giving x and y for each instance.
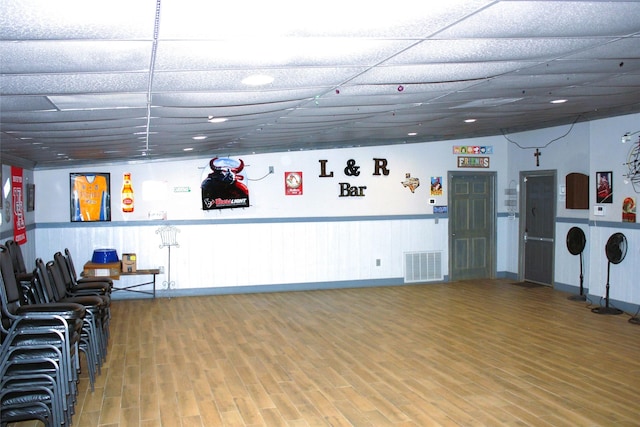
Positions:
(609, 154)
(321, 238)
(384, 195)
(318, 237)
(564, 149)
(587, 148)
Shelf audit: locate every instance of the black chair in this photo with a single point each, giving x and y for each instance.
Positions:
(23, 276)
(97, 306)
(36, 371)
(78, 279)
(95, 287)
(39, 358)
(92, 334)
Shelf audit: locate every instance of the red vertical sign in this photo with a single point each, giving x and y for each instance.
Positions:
(17, 192)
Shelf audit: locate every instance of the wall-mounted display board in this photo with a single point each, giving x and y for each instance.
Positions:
(90, 197)
(577, 185)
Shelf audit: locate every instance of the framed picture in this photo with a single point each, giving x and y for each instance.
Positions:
(90, 197)
(31, 197)
(604, 187)
(293, 183)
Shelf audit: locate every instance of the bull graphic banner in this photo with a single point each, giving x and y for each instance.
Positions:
(17, 192)
(223, 188)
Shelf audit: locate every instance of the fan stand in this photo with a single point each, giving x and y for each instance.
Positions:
(581, 296)
(607, 309)
(168, 237)
(575, 244)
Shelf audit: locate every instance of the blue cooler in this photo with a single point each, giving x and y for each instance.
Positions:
(105, 256)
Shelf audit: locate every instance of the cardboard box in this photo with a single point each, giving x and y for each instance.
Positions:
(129, 263)
(92, 269)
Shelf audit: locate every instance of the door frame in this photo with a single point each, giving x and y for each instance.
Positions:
(523, 209)
(493, 178)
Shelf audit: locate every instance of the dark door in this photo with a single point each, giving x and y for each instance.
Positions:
(471, 225)
(539, 226)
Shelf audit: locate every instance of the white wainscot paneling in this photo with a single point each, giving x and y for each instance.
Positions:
(234, 254)
(623, 278)
(507, 242)
(567, 266)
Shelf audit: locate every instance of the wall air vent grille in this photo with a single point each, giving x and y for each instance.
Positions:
(423, 267)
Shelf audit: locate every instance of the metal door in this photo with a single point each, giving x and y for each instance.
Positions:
(472, 225)
(537, 224)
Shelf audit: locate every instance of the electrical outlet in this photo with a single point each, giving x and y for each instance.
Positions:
(378, 262)
(270, 169)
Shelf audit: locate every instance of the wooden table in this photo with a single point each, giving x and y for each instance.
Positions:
(144, 272)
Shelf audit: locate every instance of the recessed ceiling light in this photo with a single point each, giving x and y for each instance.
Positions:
(470, 120)
(412, 133)
(199, 137)
(188, 149)
(558, 101)
(257, 80)
(217, 119)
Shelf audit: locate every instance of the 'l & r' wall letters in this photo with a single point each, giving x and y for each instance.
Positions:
(351, 169)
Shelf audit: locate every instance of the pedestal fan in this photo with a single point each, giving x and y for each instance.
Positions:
(576, 242)
(616, 250)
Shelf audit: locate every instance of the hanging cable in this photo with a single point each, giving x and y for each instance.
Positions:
(548, 143)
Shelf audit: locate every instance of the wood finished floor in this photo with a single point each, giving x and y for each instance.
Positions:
(481, 353)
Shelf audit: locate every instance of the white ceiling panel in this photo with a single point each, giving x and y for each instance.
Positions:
(541, 19)
(481, 50)
(99, 101)
(231, 80)
(248, 98)
(615, 49)
(437, 73)
(292, 18)
(77, 19)
(25, 103)
(44, 57)
(275, 52)
(86, 81)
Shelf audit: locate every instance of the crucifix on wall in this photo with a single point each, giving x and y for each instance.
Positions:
(537, 154)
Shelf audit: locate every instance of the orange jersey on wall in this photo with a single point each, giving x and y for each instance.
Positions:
(90, 194)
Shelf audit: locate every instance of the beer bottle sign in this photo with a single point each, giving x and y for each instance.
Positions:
(127, 194)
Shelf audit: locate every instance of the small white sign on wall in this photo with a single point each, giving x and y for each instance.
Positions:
(155, 190)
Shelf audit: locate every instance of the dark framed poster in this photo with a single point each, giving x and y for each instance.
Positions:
(224, 186)
(31, 197)
(604, 187)
(293, 183)
(90, 196)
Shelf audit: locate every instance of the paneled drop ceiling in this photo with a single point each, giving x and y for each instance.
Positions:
(86, 81)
